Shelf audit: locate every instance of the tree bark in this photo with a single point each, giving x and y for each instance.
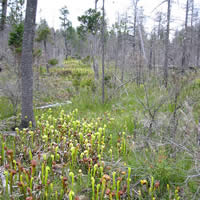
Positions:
(123, 55)
(116, 60)
(26, 64)
(134, 25)
(192, 59)
(185, 56)
(96, 1)
(3, 14)
(198, 47)
(167, 43)
(94, 51)
(103, 52)
(45, 52)
(150, 54)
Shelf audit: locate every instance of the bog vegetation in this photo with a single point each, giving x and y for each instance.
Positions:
(72, 130)
(143, 146)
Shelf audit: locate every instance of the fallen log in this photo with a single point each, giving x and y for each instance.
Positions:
(54, 105)
(8, 133)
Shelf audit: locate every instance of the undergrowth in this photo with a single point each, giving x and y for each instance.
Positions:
(141, 144)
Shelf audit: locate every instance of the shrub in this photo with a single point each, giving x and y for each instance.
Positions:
(53, 62)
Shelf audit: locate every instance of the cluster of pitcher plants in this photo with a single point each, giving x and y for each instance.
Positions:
(66, 157)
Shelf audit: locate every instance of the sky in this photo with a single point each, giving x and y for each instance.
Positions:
(49, 9)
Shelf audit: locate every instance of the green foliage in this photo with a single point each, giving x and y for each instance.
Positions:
(37, 52)
(16, 14)
(16, 38)
(43, 31)
(70, 34)
(88, 82)
(6, 108)
(196, 84)
(68, 31)
(90, 22)
(65, 22)
(53, 62)
(43, 70)
(86, 60)
(107, 79)
(65, 136)
(76, 164)
(76, 83)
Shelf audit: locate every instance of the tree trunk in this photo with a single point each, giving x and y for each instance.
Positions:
(45, 52)
(3, 14)
(150, 55)
(154, 52)
(103, 53)
(94, 51)
(192, 59)
(66, 45)
(26, 64)
(167, 44)
(116, 60)
(96, 1)
(95, 68)
(198, 133)
(185, 56)
(134, 25)
(198, 47)
(123, 56)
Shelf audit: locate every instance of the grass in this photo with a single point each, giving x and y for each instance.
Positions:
(126, 145)
(6, 109)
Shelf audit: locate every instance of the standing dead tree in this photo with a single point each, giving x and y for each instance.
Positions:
(103, 52)
(4, 5)
(167, 43)
(184, 60)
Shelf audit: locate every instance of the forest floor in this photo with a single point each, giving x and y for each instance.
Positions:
(141, 144)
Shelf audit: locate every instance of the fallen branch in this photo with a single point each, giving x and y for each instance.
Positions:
(8, 133)
(53, 105)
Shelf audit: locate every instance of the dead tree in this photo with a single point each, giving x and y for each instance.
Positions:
(184, 60)
(103, 51)
(167, 43)
(198, 46)
(4, 4)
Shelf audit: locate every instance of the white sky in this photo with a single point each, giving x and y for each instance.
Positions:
(49, 9)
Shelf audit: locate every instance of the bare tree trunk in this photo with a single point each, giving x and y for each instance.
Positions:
(103, 52)
(160, 39)
(141, 41)
(95, 64)
(96, 1)
(134, 24)
(3, 14)
(93, 50)
(123, 56)
(154, 52)
(26, 64)
(140, 66)
(45, 52)
(116, 60)
(167, 43)
(95, 67)
(192, 33)
(55, 44)
(184, 60)
(66, 45)
(38, 75)
(198, 47)
(198, 133)
(150, 54)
